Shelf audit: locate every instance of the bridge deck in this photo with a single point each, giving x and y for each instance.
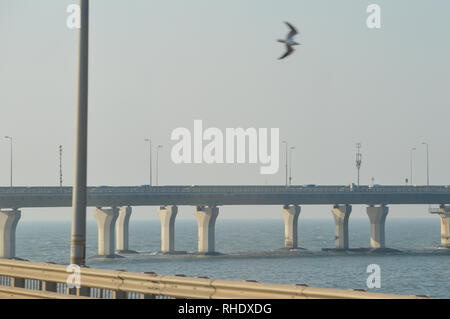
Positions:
(19, 197)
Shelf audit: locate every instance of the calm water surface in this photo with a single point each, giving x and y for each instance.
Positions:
(251, 251)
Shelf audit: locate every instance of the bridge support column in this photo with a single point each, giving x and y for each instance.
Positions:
(341, 214)
(377, 216)
(8, 224)
(106, 220)
(444, 213)
(290, 214)
(206, 221)
(167, 215)
(122, 227)
(445, 230)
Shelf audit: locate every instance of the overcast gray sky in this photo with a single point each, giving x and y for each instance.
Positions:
(159, 65)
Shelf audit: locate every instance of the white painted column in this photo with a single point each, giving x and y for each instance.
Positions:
(167, 215)
(377, 216)
(206, 221)
(444, 213)
(290, 214)
(341, 214)
(122, 228)
(106, 221)
(8, 224)
(445, 229)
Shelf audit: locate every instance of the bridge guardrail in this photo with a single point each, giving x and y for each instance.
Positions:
(49, 281)
(225, 189)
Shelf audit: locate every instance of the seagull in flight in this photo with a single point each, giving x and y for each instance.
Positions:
(289, 41)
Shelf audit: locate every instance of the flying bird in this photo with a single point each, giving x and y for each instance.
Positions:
(289, 41)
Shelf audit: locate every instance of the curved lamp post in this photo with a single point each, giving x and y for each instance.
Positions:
(157, 162)
(11, 158)
(150, 146)
(411, 165)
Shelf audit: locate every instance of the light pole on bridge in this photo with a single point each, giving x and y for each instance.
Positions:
(157, 162)
(11, 158)
(411, 165)
(290, 164)
(78, 233)
(286, 165)
(60, 166)
(428, 164)
(150, 148)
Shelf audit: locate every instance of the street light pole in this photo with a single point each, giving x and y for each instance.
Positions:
(157, 162)
(411, 166)
(428, 164)
(290, 165)
(150, 142)
(78, 235)
(287, 147)
(11, 158)
(60, 166)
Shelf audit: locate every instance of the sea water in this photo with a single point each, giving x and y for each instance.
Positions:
(250, 250)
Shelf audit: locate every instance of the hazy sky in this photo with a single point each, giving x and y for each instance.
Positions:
(159, 65)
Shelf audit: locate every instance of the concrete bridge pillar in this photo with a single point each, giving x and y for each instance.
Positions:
(122, 227)
(445, 230)
(168, 215)
(106, 221)
(444, 213)
(341, 214)
(206, 221)
(290, 214)
(8, 223)
(377, 216)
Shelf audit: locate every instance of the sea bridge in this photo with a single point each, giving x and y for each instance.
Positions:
(113, 208)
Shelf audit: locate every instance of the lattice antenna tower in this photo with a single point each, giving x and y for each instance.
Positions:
(358, 158)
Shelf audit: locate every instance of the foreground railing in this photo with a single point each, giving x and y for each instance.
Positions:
(23, 279)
